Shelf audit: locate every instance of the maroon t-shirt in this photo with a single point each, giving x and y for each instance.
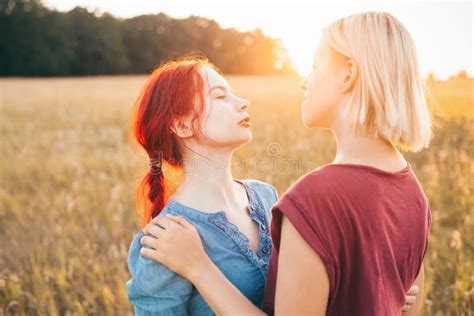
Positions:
(370, 228)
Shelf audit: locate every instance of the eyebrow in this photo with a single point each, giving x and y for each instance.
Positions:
(219, 87)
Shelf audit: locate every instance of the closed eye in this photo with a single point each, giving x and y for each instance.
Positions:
(222, 96)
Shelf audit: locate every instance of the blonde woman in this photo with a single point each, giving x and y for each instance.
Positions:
(348, 238)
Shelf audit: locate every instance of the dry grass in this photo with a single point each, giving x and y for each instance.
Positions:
(68, 176)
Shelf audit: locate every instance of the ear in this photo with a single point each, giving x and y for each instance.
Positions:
(182, 127)
(351, 72)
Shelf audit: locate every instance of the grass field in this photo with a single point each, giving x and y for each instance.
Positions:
(68, 175)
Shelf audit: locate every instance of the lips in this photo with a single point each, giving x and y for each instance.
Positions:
(246, 122)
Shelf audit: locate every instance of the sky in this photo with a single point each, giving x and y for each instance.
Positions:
(442, 31)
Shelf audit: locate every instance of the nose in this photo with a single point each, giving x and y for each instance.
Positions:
(243, 104)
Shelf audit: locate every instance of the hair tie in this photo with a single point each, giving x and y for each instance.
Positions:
(155, 166)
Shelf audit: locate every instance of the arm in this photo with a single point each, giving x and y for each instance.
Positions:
(177, 245)
(415, 309)
(221, 295)
(302, 281)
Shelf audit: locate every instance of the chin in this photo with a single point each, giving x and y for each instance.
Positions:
(305, 115)
(315, 121)
(246, 137)
(237, 140)
(308, 122)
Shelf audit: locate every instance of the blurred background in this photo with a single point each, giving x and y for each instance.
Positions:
(71, 71)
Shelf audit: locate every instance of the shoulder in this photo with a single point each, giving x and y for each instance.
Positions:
(261, 187)
(154, 287)
(313, 207)
(318, 184)
(144, 269)
(263, 193)
(194, 216)
(315, 199)
(139, 264)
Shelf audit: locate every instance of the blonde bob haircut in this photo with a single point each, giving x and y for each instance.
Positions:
(388, 99)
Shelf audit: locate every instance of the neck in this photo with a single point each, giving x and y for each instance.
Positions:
(208, 183)
(368, 150)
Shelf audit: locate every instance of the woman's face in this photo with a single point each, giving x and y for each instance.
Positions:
(226, 122)
(323, 88)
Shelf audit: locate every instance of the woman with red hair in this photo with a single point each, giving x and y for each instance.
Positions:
(188, 118)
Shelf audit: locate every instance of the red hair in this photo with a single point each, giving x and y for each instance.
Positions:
(169, 92)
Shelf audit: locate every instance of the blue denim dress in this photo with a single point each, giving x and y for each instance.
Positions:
(156, 290)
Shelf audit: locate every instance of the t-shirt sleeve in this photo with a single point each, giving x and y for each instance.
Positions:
(154, 289)
(313, 226)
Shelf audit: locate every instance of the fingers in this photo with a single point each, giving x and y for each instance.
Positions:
(154, 230)
(148, 241)
(414, 290)
(182, 221)
(405, 308)
(150, 253)
(159, 228)
(164, 222)
(409, 300)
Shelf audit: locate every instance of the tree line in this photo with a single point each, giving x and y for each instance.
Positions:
(39, 41)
